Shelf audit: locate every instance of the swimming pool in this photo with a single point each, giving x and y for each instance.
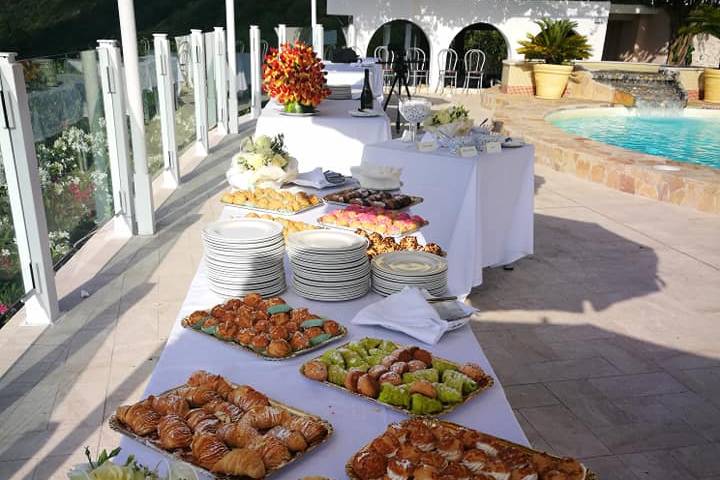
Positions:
(691, 136)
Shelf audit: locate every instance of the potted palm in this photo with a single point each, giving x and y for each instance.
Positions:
(705, 19)
(557, 44)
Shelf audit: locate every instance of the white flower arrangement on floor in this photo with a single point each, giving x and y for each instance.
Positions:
(453, 121)
(262, 162)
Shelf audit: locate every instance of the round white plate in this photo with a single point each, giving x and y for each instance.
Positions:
(326, 240)
(513, 144)
(410, 264)
(364, 113)
(243, 230)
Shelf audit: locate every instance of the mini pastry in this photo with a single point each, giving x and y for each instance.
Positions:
(201, 421)
(337, 375)
(487, 444)
(316, 370)
(403, 355)
(457, 471)
(459, 381)
(264, 418)
(423, 355)
(312, 430)
(279, 348)
(399, 367)
(331, 327)
(252, 299)
(233, 304)
(279, 319)
(399, 469)
(260, 342)
(473, 371)
(434, 459)
(388, 360)
(351, 379)
(526, 472)
(226, 412)
(218, 311)
(426, 472)
(300, 315)
(394, 395)
(241, 462)
(271, 450)
(237, 434)
(246, 398)
(244, 336)
(198, 396)
(423, 387)
(196, 319)
(207, 450)
(422, 437)
(409, 452)
(386, 445)
(398, 432)
(497, 469)
(369, 465)
(140, 418)
(174, 432)
(475, 460)
(278, 333)
(377, 371)
(448, 394)
(299, 341)
(368, 386)
(390, 377)
(422, 405)
(313, 331)
(170, 403)
(261, 326)
(293, 440)
(276, 302)
(415, 365)
(451, 448)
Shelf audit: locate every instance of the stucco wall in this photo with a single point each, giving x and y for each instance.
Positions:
(706, 51)
(443, 20)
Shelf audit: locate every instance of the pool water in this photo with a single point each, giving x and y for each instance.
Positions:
(691, 136)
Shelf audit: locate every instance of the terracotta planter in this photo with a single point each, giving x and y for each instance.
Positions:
(551, 80)
(712, 85)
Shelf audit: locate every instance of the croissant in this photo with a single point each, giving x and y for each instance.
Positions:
(201, 421)
(201, 378)
(141, 419)
(241, 462)
(237, 435)
(207, 449)
(225, 411)
(246, 398)
(263, 418)
(170, 403)
(174, 432)
(293, 440)
(312, 430)
(272, 451)
(199, 396)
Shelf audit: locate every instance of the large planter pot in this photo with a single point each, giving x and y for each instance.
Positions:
(712, 85)
(551, 80)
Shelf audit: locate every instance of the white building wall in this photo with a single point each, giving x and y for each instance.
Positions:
(442, 20)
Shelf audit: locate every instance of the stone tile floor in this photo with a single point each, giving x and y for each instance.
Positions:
(606, 339)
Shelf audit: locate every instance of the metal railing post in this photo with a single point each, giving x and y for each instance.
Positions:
(25, 195)
(197, 54)
(166, 97)
(255, 72)
(221, 69)
(111, 78)
(232, 67)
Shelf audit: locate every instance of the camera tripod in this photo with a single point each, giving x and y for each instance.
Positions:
(400, 79)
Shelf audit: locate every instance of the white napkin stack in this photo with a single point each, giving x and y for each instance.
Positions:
(408, 312)
(313, 179)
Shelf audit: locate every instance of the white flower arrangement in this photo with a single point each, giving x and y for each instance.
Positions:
(262, 162)
(453, 121)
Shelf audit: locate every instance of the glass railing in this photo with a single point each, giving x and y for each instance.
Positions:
(151, 109)
(67, 117)
(11, 284)
(184, 94)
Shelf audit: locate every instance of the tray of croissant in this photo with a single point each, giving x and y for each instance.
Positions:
(405, 378)
(425, 449)
(230, 431)
(271, 329)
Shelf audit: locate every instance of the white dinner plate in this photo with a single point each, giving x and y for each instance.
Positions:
(409, 264)
(364, 113)
(243, 230)
(319, 241)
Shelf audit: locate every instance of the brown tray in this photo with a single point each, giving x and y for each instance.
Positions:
(272, 212)
(491, 382)
(352, 229)
(415, 200)
(430, 422)
(343, 333)
(178, 456)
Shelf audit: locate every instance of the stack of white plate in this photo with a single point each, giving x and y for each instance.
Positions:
(340, 92)
(329, 265)
(245, 255)
(394, 270)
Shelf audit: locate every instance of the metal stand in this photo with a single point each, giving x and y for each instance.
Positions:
(400, 73)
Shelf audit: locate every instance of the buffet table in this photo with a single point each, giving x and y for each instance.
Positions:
(353, 74)
(480, 208)
(332, 139)
(355, 420)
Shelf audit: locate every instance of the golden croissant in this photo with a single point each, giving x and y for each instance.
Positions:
(201, 378)
(272, 451)
(312, 430)
(199, 396)
(174, 432)
(246, 398)
(265, 417)
(207, 449)
(225, 411)
(241, 462)
(141, 419)
(170, 403)
(293, 440)
(202, 421)
(237, 435)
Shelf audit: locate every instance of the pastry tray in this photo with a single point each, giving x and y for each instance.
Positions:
(414, 200)
(272, 212)
(185, 456)
(448, 409)
(343, 333)
(430, 422)
(352, 229)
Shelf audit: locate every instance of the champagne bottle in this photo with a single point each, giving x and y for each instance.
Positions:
(366, 97)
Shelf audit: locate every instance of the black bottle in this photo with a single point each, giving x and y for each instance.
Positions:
(366, 97)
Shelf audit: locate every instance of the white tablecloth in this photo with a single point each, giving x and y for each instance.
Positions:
(332, 139)
(480, 209)
(355, 420)
(353, 74)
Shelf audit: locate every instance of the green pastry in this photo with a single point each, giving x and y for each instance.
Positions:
(392, 395)
(373, 360)
(369, 343)
(422, 405)
(459, 381)
(314, 322)
(442, 365)
(447, 394)
(318, 339)
(336, 375)
(375, 351)
(333, 357)
(429, 374)
(357, 348)
(282, 308)
(357, 362)
(387, 346)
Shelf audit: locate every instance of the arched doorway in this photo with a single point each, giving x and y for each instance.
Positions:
(399, 35)
(491, 41)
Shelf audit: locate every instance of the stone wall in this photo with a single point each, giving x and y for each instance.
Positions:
(706, 51)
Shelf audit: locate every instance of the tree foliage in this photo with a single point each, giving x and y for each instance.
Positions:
(556, 43)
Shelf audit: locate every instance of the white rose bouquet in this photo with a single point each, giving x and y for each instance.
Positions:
(103, 469)
(453, 121)
(262, 162)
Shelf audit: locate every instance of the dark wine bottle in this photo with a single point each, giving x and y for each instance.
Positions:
(366, 97)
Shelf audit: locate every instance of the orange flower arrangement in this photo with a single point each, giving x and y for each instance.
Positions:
(295, 77)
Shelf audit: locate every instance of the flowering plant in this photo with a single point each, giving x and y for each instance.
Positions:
(294, 77)
(262, 162)
(103, 469)
(452, 121)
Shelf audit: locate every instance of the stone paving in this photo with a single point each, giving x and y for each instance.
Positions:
(606, 339)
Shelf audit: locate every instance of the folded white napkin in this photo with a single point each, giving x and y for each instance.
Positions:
(314, 179)
(407, 312)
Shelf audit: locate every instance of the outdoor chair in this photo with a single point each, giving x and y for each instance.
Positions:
(417, 66)
(474, 64)
(447, 68)
(387, 57)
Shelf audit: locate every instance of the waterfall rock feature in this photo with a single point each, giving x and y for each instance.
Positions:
(651, 90)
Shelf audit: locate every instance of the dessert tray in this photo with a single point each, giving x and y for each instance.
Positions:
(405, 378)
(429, 448)
(270, 328)
(289, 226)
(268, 200)
(226, 430)
(373, 219)
(372, 198)
(382, 244)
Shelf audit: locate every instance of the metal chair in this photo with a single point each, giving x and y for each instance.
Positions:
(474, 64)
(264, 47)
(417, 66)
(447, 68)
(387, 57)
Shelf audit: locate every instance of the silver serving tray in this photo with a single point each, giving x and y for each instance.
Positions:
(273, 212)
(352, 229)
